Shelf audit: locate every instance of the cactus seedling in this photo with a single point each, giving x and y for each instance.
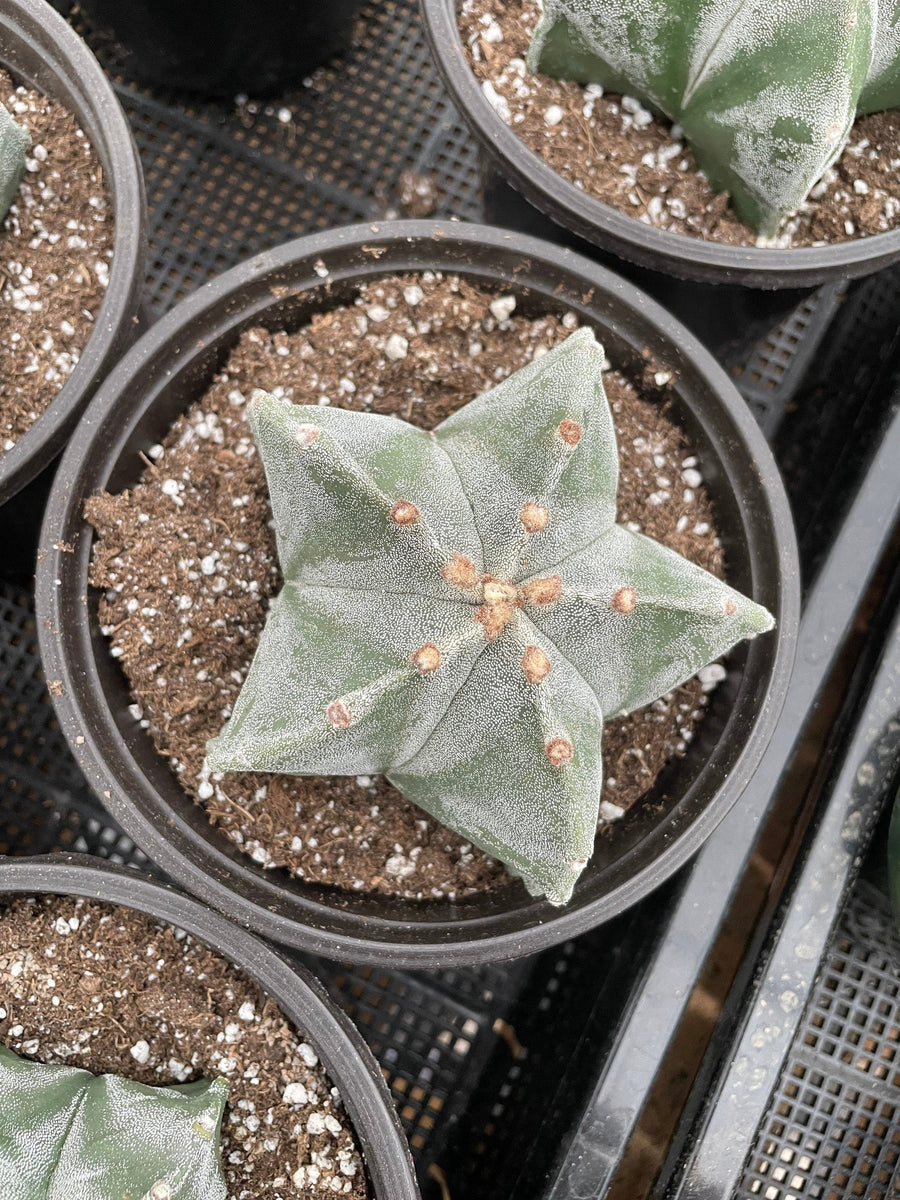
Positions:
(65, 1133)
(461, 613)
(13, 140)
(765, 90)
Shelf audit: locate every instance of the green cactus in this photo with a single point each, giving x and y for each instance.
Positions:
(765, 90)
(461, 613)
(65, 1133)
(882, 88)
(13, 140)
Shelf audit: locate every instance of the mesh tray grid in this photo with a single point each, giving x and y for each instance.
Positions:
(46, 803)
(832, 1129)
(29, 733)
(838, 409)
(569, 977)
(226, 181)
(30, 819)
(38, 818)
(20, 669)
(428, 1046)
(775, 366)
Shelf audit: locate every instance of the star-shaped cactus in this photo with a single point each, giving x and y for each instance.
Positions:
(765, 90)
(65, 1133)
(460, 611)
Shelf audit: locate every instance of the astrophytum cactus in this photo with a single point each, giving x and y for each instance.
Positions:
(460, 611)
(765, 90)
(68, 1135)
(13, 140)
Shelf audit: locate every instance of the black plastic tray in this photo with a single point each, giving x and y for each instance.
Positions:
(808, 1098)
(533, 1078)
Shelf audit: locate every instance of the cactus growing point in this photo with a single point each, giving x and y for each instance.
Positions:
(66, 1133)
(461, 613)
(766, 91)
(13, 140)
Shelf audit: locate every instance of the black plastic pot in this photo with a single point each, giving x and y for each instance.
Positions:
(170, 366)
(606, 227)
(220, 47)
(298, 994)
(39, 48)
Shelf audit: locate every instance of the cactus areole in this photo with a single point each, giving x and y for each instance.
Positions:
(68, 1135)
(766, 91)
(461, 613)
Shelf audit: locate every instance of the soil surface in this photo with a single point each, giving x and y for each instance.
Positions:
(111, 990)
(614, 149)
(55, 253)
(187, 564)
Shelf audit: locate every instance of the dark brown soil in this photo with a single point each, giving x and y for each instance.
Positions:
(618, 152)
(55, 252)
(111, 990)
(187, 563)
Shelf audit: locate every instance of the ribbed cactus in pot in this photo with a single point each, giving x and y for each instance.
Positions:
(766, 91)
(13, 140)
(461, 613)
(67, 1134)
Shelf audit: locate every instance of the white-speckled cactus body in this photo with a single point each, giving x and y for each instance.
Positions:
(765, 90)
(13, 140)
(67, 1134)
(882, 86)
(460, 611)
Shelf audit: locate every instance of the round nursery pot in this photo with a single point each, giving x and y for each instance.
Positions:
(298, 994)
(601, 224)
(283, 288)
(220, 47)
(40, 49)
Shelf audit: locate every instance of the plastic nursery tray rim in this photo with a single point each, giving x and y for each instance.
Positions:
(391, 939)
(862, 780)
(35, 25)
(691, 258)
(308, 1007)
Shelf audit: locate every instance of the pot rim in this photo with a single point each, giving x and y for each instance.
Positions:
(38, 28)
(605, 226)
(220, 874)
(301, 997)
